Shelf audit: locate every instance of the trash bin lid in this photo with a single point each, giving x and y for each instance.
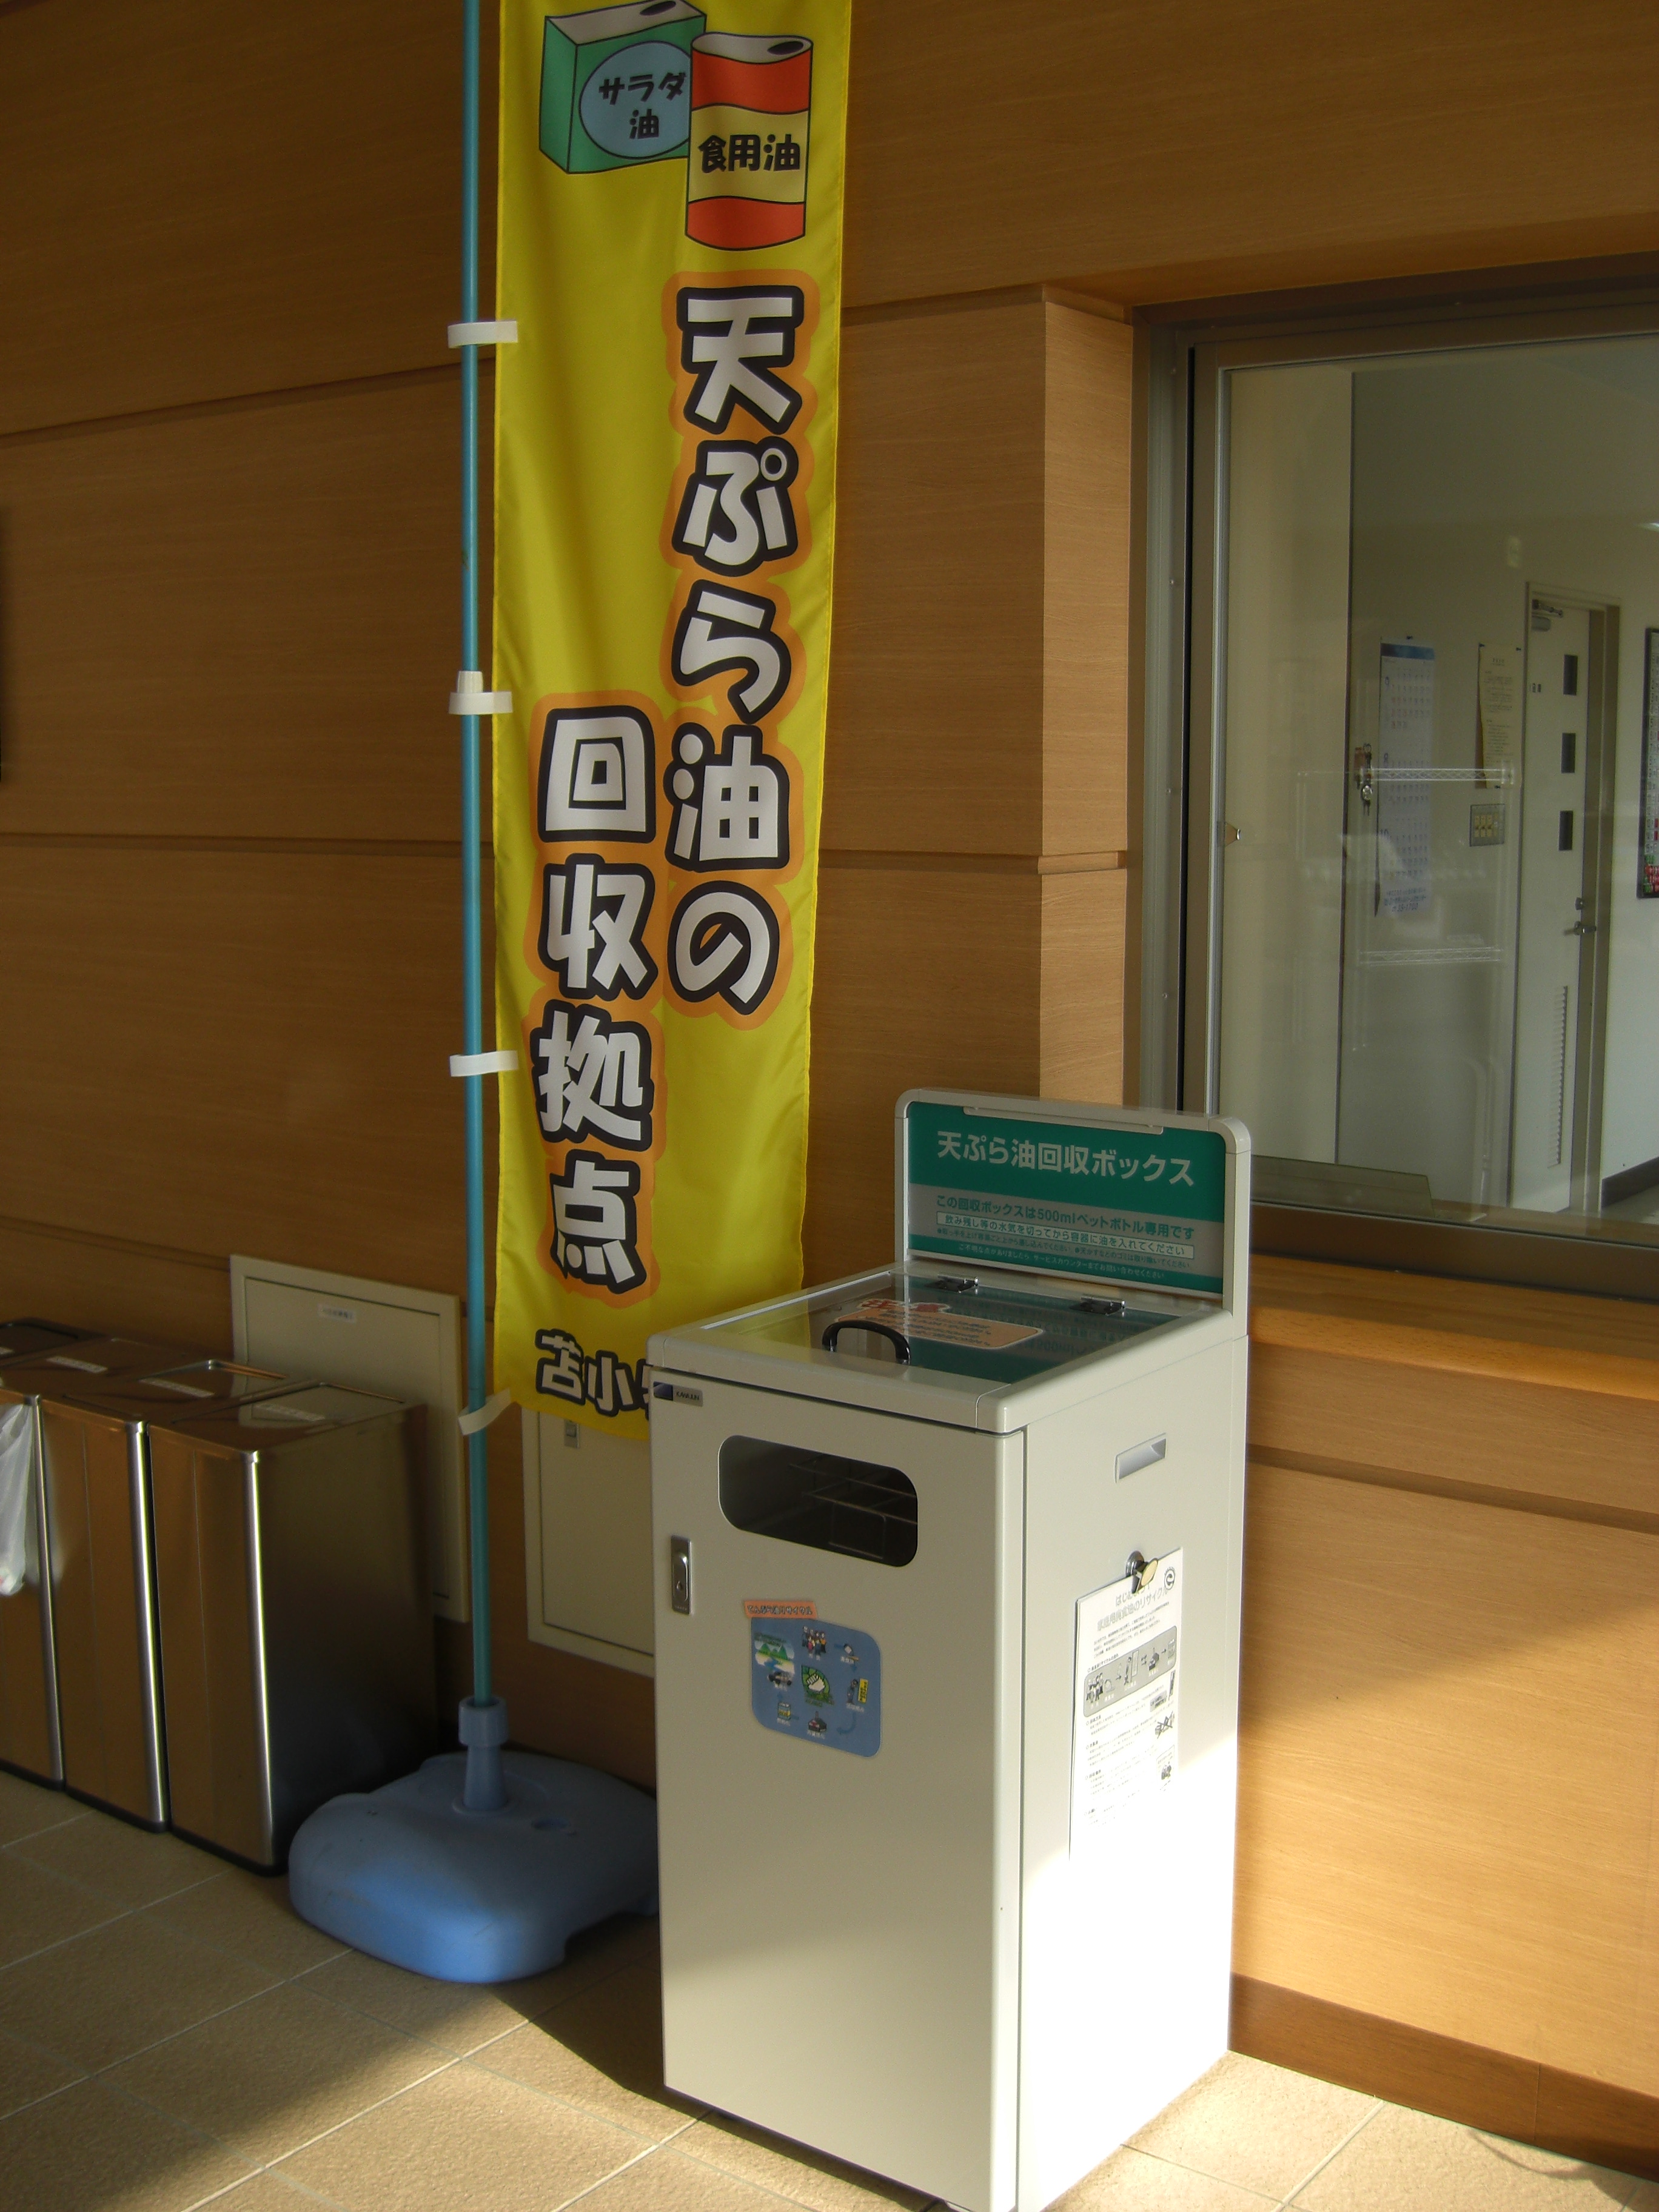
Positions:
(200, 1385)
(19, 1340)
(299, 1409)
(72, 1371)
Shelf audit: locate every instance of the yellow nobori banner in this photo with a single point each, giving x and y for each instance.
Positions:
(670, 248)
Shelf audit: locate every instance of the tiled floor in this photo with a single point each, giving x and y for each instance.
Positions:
(171, 2035)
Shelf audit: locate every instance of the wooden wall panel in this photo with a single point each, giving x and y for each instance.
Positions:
(203, 200)
(1197, 148)
(936, 673)
(236, 1051)
(973, 978)
(1573, 2114)
(979, 685)
(1526, 1438)
(234, 200)
(923, 975)
(1373, 1303)
(1088, 436)
(1081, 995)
(110, 1283)
(1450, 1753)
(236, 622)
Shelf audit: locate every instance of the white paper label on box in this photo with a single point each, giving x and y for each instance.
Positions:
(933, 1323)
(1125, 1736)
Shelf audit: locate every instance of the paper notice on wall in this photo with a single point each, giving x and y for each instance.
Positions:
(1125, 1736)
(1500, 700)
(1404, 748)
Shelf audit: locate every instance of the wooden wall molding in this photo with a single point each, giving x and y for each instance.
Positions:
(1246, 149)
(1492, 2090)
(1011, 864)
(1398, 1344)
(117, 1286)
(240, 403)
(854, 317)
(1528, 1399)
(1499, 1312)
(1611, 277)
(1008, 295)
(1542, 1438)
(1469, 1493)
(365, 848)
(127, 1247)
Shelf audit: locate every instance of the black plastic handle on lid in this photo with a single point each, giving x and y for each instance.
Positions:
(900, 1342)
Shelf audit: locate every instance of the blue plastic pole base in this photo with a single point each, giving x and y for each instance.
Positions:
(484, 1732)
(409, 1874)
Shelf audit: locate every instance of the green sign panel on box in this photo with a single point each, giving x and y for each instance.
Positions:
(1122, 1205)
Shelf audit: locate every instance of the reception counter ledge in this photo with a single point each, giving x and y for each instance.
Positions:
(1448, 1809)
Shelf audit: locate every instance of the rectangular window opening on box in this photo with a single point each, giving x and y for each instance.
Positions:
(827, 1502)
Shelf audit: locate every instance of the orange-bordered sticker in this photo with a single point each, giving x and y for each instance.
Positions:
(779, 1608)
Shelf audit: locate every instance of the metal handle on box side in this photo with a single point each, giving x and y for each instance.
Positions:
(900, 1343)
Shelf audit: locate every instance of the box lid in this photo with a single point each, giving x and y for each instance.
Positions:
(1118, 1196)
(1021, 1266)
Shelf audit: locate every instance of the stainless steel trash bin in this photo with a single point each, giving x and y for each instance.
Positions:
(297, 1656)
(95, 1452)
(95, 1581)
(28, 1684)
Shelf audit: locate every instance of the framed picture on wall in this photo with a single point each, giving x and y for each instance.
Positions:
(1647, 864)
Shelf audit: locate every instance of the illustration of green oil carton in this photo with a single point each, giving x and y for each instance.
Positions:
(617, 84)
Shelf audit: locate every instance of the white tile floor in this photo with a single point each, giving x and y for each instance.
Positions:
(171, 2036)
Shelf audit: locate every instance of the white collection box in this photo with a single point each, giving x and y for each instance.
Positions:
(947, 1620)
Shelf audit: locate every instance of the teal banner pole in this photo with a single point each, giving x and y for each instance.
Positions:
(478, 1445)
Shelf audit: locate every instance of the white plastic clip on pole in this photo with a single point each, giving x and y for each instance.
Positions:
(470, 698)
(492, 1408)
(465, 334)
(483, 1063)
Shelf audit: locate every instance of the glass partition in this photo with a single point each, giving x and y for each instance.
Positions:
(1436, 795)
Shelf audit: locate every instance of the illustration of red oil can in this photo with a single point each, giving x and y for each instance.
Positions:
(751, 107)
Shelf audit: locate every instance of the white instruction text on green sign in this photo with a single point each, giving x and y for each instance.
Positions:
(1117, 1205)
